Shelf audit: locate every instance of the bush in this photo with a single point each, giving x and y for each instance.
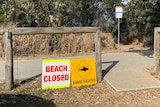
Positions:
(2, 17)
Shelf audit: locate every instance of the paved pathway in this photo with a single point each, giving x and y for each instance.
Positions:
(23, 69)
(123, 71)
(127, 71)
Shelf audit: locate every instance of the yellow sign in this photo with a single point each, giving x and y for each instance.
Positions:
(83, 72)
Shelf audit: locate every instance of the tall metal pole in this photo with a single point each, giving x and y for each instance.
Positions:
(118, 32)
(119, 14)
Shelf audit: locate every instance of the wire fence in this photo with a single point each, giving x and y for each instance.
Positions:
(54, 45)
(1, 48)
(47, 45)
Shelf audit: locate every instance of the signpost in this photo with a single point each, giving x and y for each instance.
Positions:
(119, 14)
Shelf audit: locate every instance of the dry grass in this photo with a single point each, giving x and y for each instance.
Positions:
(29, 46)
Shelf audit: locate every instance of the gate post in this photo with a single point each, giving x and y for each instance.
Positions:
(8, 60)
(98, 55)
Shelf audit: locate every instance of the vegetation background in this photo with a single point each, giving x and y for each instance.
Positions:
(139, 19)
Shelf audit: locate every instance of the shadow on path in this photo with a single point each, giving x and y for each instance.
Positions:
(148, 53)
(113, 63)
(19, 100)
(27, 80)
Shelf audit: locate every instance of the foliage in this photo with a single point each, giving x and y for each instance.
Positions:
(61, 12)
(108, 8)
(145, 14)
(25, 12)
(2, 16)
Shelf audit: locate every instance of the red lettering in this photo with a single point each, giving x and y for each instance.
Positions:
(62, 77)
(47, 68)
(65, 68)
(58, 77)
(45, 78)
(66, 77)
(53, 78)
(52, 68)
(61, 68)
(56, 68)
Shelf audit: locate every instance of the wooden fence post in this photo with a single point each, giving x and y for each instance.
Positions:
(157, 49)
(8, 60)
(98, 56)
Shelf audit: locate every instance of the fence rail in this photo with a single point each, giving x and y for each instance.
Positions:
(9, 50)
(48, 30)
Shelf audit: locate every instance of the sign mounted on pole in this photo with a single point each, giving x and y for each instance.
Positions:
(119, 11)
(83, 72)
(119, 14)
(55, 74)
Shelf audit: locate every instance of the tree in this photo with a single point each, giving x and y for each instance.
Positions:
(145, 14)
(108, 20)
(81, 12)
(27, 13)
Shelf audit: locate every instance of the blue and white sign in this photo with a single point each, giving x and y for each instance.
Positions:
(119, 11)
